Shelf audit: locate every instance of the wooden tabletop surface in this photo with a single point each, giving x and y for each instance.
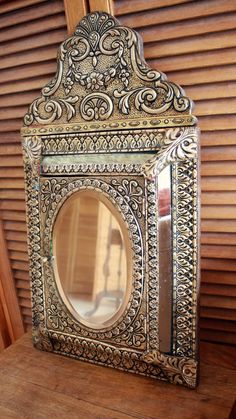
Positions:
(35, 384)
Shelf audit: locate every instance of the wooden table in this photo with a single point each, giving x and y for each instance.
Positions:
(36, 384)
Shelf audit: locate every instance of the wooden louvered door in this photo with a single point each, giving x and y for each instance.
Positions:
(194, 42)
(30, 31)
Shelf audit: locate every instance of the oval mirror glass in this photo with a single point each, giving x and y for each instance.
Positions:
(92, 259)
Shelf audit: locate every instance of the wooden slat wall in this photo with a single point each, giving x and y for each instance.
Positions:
(30, 31)
(194, 42)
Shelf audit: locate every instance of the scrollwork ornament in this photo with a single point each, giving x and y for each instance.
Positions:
(132, 193)
(96, 106)
(178, 144)
(113, 54)
(45, 111)
(32, 147)
(41, 339)
(178, 370)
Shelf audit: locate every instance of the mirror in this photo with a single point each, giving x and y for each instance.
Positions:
(92, 255)
(111, 162)
(165, 258)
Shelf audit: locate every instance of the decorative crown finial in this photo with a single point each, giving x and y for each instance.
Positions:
(102, 74)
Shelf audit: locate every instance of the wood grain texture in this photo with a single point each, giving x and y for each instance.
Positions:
(5, 338)
(194, 43)
(43, 385)
(11, 325)
(101, 6)
(75, 10)
(30, 32)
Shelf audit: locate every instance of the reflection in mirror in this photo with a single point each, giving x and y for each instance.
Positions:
(92, 255)
(165, 258)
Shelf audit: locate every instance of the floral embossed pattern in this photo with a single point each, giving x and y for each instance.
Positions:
(104, 57)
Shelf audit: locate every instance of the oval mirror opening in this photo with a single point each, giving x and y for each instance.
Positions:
(92, 259)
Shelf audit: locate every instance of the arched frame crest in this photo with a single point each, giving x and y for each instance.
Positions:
(107, 120)
(102, 76)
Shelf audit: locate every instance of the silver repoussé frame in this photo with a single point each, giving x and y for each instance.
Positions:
(109, 123)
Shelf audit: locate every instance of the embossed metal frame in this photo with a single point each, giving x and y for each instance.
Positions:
(171, 137)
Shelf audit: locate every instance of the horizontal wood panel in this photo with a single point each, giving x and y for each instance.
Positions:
(218, 122)
(19, 86)
(28, 323)
(13, 216)
(203, 59)
(215, 107)
(33, 42)
(19, 265)
(213, 336)
(12, 205)
(9, 161)
(222, 289)
(215, 324)
(33, 27)
(18, 256)
(218, 252)
(218, 238)
(23, 285)
(218, 212)
(218, 313)
(18, 99)
(25, 72)
(36, 55)
(9, 6)
(176, 13)
(218, 153)
(28, 14)
(172, 31)
(193, 77)
(218, 277)
(16, 236)
(216, 198)
(214, 41)
(13, 172)
(7, 183)
(123, 7)
(218, 168)
(12, 194)
(218, 301)
(218, 138)
(12, 149)
(212, 91)
(218, 264)
(14, 226)
(22, 275)
(218, 183)
(220, 226)
(24, 293)
(18, 246)
(26, 312)
(12, 137)
(24, 302)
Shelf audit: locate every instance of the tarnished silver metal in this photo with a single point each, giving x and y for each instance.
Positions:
(109, 123)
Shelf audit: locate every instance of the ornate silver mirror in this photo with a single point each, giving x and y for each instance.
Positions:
(111, 169)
